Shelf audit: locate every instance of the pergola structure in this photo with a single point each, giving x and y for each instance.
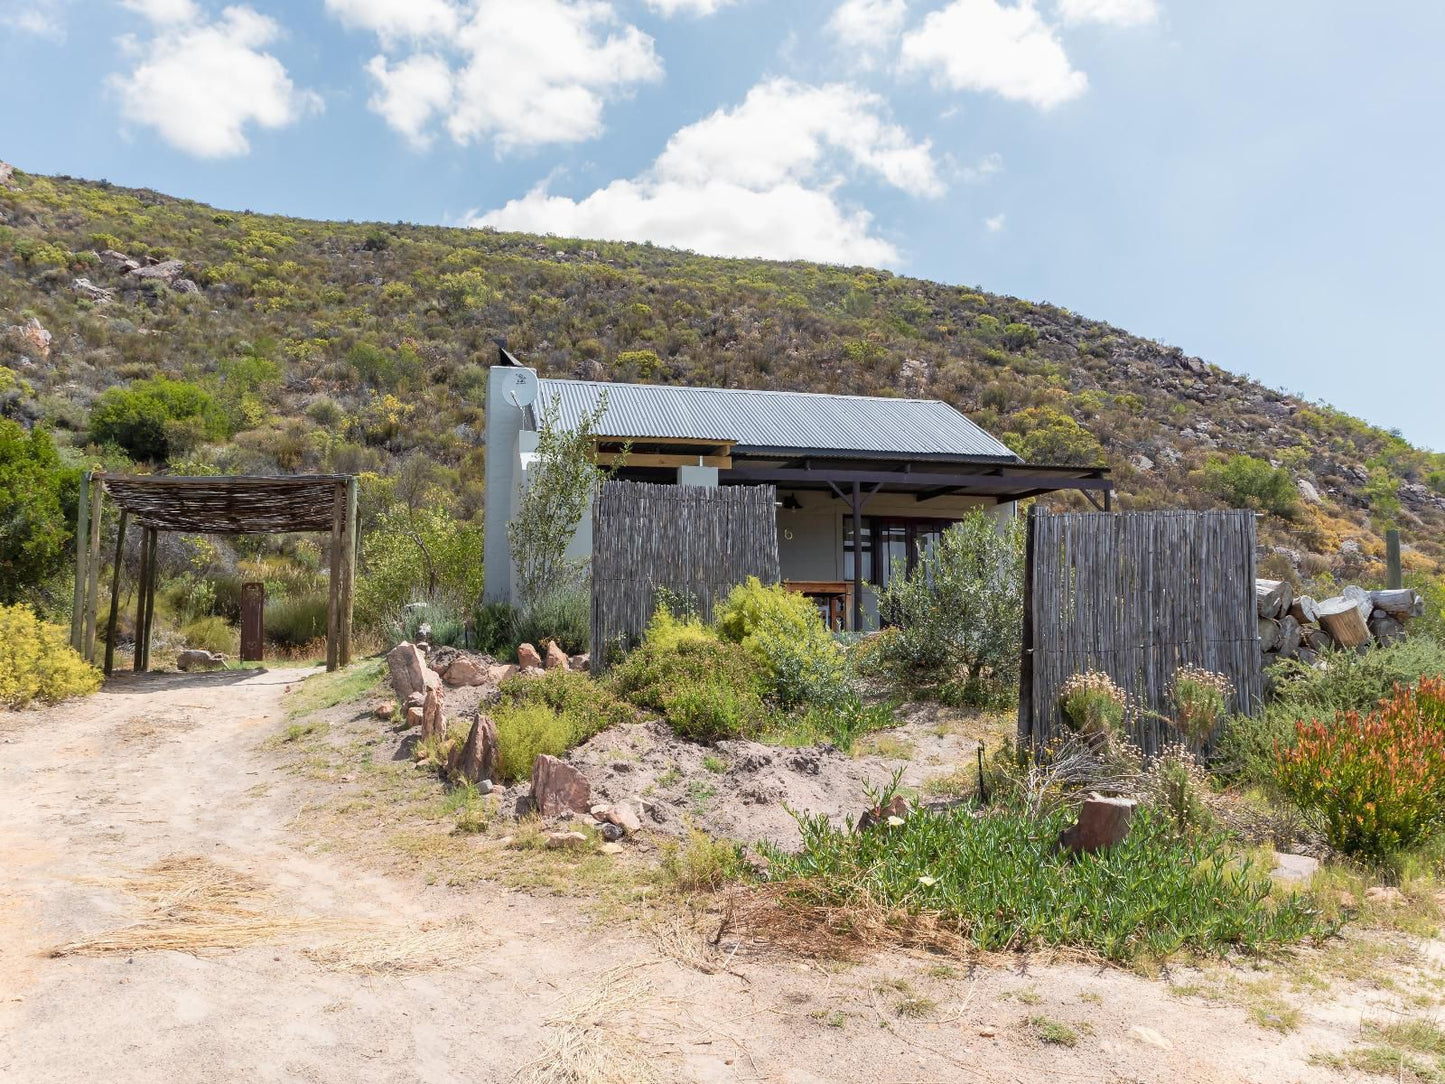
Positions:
(321, 503)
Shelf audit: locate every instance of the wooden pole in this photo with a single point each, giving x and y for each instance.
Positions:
(1394, 573)
(349, 584)
(138, 661)
(1026, 659)
(333, 599)
(858, 558)
(115, 593)
(152, 574)
(82, 573)
(92, 586)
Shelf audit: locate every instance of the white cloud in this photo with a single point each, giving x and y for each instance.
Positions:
(758, 180)
(200, 85)
(783, 130)
(983, 169)
(164, 11)
(393, 19)
(868, 25)
(984, 45)
(43, 18)
(1112, 12)
(520, 75)
(669, 8)
(994, 224)
(410, 94)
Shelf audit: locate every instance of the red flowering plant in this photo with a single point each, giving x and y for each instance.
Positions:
(1373, 783)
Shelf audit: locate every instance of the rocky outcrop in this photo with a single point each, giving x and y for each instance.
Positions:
(91, 292)
(167, 271)
(32, 336)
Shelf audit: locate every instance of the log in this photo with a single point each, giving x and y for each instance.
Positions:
(1386, 629)
(1316, 639)
(1102, 823)
(1304, 610)
(1268, 634)
(1361, 598)
(1291, 636)
(1341, 618)
(1404, 602)
(1272, 598)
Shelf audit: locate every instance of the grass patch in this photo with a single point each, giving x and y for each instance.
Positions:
(297, 731)
(1054, 1032)
(321, 691)
(550, 714)
(701, 863)
(1160, 894)
(715, 764)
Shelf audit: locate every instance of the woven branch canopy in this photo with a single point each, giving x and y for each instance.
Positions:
(229, 505)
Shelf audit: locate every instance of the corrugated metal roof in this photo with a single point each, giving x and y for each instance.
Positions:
(784, 420)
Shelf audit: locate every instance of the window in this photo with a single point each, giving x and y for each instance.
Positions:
(901, 541)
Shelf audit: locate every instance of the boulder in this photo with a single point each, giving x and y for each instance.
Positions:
(566, 841)
(119, 260)
(559, 787)
(409, 671)
(195, 659)
(433, 722)
(413, 717)
(499, 673)
(7, 175)
(385, 710)
(91, 292)
(1294, 867)
(477, 760)
(581, 663)
(556, 658)
(185, 286)
(1102, 823)
(165, 271)
(33, 335)
(466, 671)
(527, 657)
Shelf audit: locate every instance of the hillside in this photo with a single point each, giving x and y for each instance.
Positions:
(363, 347)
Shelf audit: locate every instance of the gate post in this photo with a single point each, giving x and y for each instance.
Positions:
(253, 609)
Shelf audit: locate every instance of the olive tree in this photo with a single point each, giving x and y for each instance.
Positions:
(558, 492)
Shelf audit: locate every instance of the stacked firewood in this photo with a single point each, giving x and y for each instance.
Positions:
(1298, 627)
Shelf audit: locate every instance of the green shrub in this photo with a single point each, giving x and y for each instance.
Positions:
(446, 625)
(34, 530)
(564, 615)
(295, 622)
(37, 662)
(665, 632)
(417, 555)
(1354, 682)
(1373, 783)
(211, 634)
(684, 680)
(701, 863)
(1243, 481)
(958, 617)
(1164, 893)
(1093, 706)
(153, 418)
(496, 626)
(1200, 698)
(524, 732)
(784, 632)
(550, 714)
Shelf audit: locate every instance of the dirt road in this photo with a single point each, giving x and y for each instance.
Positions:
(532, 988)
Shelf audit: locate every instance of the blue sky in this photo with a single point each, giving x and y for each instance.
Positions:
(1256, 182)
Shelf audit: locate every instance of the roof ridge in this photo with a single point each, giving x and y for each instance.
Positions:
(742, 391)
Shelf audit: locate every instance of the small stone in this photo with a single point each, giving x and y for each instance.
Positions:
(623, 816)
(600, 811)
(581, 663)
(527, 658)
(414, 716)
(612, 832)
(349, 777)
(1388, 895)
(1149, 1037)
(1295, 867)
(385, 710)
(484, 786)
(988, 1031)
(611, 848)
(570, 841)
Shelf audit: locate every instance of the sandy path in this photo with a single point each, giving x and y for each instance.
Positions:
(170, 764)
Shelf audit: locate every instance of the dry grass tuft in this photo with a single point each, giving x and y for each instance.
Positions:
(590, 1043)
(394, 952)
(841, 932)
(193, 904)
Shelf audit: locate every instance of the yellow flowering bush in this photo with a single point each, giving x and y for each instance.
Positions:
(37, 662)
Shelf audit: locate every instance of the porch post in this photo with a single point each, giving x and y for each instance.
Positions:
(857, 558)
(115, 593)
(82, 569)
